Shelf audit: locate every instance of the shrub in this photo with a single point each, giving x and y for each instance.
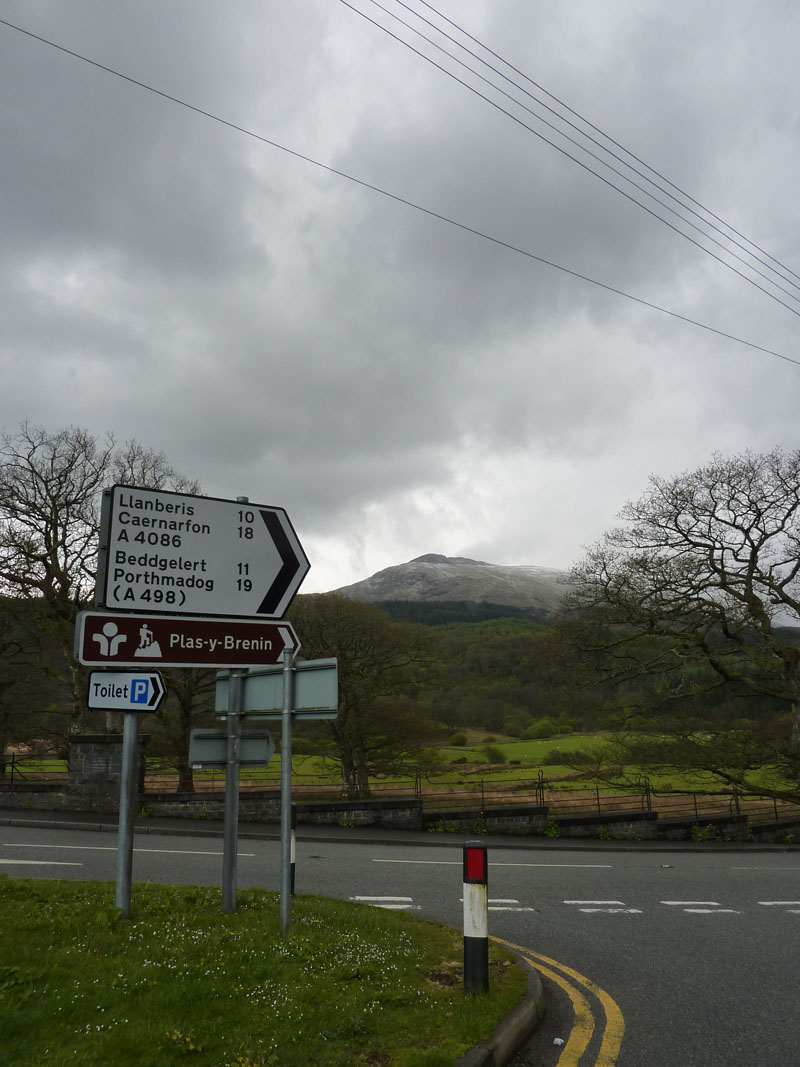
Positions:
(541, 728)
(457, 740)
(493, 754)
(575, 757)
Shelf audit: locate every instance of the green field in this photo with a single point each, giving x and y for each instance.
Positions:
(349, 985)
(521, 760)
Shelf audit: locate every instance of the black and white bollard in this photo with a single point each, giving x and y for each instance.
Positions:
(476, 919)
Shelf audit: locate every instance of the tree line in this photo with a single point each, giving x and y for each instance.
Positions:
(679, 631)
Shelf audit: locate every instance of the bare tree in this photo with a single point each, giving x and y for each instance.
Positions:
(50, 496)
(189, 703)
(379, 727)
(706, 570)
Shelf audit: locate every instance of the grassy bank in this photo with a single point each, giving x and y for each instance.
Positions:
(349, 985)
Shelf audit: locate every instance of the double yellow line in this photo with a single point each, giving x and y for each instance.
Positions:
(583, 1028)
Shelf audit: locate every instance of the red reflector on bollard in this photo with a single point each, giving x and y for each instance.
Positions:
(475, 864)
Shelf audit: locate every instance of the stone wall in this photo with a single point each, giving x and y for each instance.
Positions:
(520, 819)
(634, 825)
(93, 765)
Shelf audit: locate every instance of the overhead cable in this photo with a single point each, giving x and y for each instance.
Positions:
(575, 159)
(602, 133)
(396, 197)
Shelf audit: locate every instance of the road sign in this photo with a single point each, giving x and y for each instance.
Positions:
(117, 691)
(316, 691)
(209, 748)
(117, 640)
(171, 553)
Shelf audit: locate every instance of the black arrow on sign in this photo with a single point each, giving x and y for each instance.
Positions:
(290, 564)
(158, 691)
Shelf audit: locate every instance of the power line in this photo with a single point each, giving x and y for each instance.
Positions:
(575, 159)
(397, 198)
(594, 140)
(597, 129)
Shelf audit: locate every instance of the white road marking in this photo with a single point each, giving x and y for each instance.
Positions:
(504, 904)
(389, 903)
(605, 907)
(711, 911)
(493, 907)
(620, 902)
(41, 863)
(691, 903)
(701, 907)
(613, 911)
(113, 848)
(779, 903)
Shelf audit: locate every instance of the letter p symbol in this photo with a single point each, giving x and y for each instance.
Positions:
(140, 690)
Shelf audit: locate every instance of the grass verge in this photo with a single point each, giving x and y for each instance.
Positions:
(349, 985)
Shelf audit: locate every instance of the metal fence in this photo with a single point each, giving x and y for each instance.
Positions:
(35, 768)
(442, 794)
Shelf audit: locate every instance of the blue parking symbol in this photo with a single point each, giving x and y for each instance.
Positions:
(140, 691)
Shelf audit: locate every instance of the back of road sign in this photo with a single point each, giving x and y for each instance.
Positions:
(209, 748)
(316, 690)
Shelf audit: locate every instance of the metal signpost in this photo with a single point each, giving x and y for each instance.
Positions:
(188, 581)
(176, 554)
(132, 694)
(305, 690)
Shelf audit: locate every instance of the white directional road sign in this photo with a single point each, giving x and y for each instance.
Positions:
(175, 554)
(129, 691)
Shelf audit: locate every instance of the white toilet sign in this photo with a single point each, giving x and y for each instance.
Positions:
(128, 691)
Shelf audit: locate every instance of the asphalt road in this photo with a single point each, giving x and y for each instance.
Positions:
(696, 948)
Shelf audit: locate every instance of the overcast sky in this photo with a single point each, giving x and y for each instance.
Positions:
(398, 384)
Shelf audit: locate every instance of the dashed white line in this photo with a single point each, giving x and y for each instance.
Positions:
(619, 902)
(701, 907)
(711, 911)
(691, 903)
(612, 911)
(389, 903)
(41, 863)
(504, 904)
(113, 848)
(604, 907)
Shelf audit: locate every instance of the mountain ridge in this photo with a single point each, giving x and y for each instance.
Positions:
(433, 577)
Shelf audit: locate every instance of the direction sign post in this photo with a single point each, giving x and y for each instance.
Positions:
(177, 554)
(127, 799)
(286, 792)
(188, 561)
(305, 690)
(111, 639)
(131, 693)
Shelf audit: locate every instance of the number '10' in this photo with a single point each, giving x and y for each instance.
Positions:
(246, 532)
